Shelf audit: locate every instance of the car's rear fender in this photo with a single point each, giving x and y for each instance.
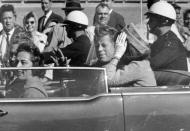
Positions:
(157, 111)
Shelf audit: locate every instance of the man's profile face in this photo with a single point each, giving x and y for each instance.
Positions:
(103, 15)
(153, 23)
(46, 5)
(178, 14)
(8, 20)
(104, 48)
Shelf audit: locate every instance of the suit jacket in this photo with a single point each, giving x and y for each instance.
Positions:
(3, 43)
(116, 20)
(53, 17)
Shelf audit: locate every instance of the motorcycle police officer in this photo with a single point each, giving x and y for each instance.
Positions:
(167, 52)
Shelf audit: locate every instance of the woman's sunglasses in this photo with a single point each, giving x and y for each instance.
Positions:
(30, 22)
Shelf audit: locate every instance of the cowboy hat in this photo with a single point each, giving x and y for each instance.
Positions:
(73, 5)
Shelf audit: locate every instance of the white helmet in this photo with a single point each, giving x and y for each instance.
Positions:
(163, 8)
(78, 17)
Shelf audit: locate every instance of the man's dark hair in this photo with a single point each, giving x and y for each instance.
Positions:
(103, 5)
(103, 30)
(7, 8)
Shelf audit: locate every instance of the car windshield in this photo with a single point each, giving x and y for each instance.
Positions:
(56, 81)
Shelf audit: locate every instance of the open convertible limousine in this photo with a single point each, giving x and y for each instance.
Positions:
(80, 100)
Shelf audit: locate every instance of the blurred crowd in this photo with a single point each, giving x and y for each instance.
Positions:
(129, 53)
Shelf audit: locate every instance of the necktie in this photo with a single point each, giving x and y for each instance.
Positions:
(8, 37)
(7, 53)
(42, 24)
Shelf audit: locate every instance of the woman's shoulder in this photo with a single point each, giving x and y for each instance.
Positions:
(35, 88)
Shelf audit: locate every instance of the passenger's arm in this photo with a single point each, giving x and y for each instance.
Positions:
(120, 47)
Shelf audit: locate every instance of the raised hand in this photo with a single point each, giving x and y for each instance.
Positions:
(59, 59)
(121, 45)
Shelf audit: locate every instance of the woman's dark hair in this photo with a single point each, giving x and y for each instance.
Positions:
(29, 15)
(36, 57)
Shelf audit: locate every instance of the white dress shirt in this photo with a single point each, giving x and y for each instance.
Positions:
(47, 16)
(3, 42)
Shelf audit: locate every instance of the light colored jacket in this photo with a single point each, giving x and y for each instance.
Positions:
(136, 73)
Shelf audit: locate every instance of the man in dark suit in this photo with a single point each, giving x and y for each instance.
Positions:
(116, 20)
(48, 17)
(9, 33)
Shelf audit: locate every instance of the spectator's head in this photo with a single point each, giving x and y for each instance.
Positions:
(8, 17)
(76, 21)
(30, 22)
(103, 13)
(151, 2)
(178, 10)
(72, 5)
(105, 42)
(28, 55)
(108, 2)
(161, 14)
(186, 17)
(46, 5)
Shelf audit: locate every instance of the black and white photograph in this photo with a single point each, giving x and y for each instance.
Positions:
(94, 65)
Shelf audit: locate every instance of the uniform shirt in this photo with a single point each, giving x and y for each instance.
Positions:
(167, 52)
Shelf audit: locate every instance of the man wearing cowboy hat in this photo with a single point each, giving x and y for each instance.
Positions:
(72, 5)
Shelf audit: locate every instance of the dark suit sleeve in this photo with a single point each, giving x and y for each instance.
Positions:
(59, 18)
(39, 22)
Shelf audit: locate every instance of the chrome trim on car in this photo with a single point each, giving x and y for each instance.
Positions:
(58, 99)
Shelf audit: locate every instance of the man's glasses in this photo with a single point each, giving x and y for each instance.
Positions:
(30, 22)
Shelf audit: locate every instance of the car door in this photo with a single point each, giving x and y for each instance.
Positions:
(99, 113)
(157, 109)
(78, 100)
